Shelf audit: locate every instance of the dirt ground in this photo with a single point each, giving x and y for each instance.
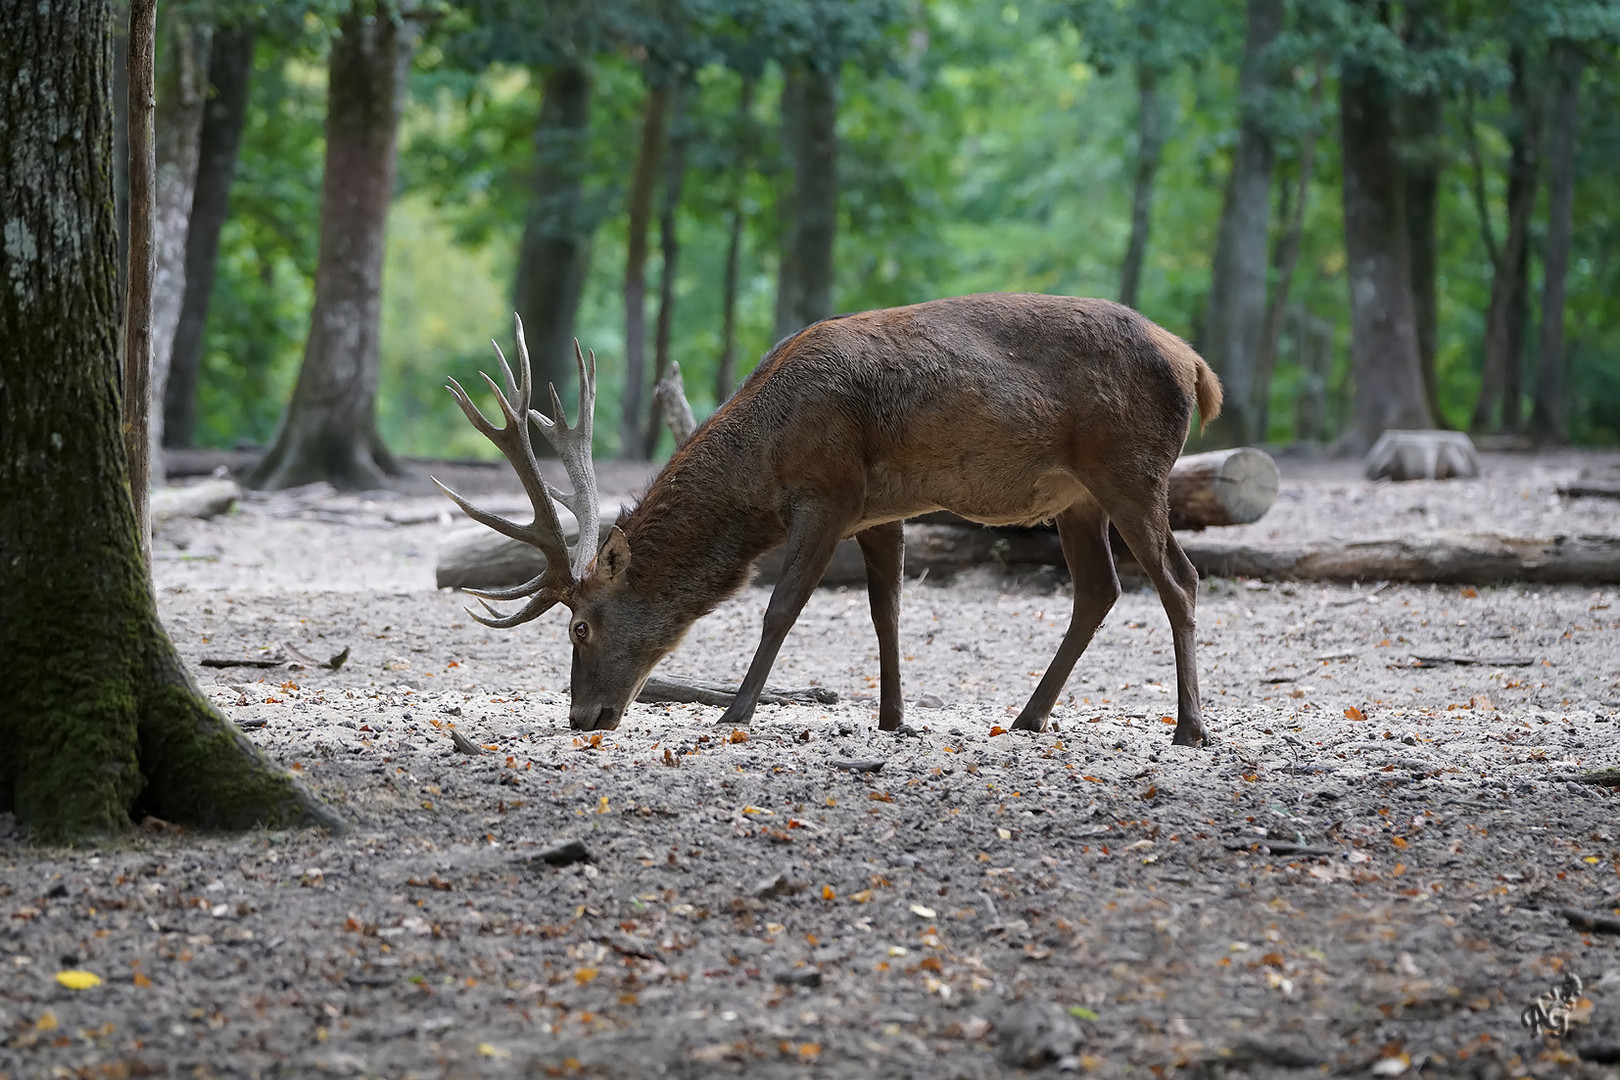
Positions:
(1365, 874)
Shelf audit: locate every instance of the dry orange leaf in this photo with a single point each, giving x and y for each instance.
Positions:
(1353, 713)
(738, 735)
(827, 893)
(997, 730)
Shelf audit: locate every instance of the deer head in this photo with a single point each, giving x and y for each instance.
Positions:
(614, 649)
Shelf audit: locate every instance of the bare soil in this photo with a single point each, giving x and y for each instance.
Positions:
(1363, 875)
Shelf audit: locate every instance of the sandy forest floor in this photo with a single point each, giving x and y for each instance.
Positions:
(1364, 875)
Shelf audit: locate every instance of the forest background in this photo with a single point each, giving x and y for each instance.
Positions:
(688, 180)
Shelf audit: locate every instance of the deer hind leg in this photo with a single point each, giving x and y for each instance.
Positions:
(884, 547)
(1083, 532)
(811, 540)
(1144, 524)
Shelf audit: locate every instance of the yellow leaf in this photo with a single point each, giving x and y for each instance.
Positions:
(490, 1050)
(78, 980)
(585, 975)
(827, 893)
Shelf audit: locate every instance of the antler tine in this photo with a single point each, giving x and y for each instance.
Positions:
(573, 446)
(562, 573)
(539, 605)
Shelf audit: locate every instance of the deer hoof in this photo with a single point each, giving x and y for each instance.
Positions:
(1029, 723)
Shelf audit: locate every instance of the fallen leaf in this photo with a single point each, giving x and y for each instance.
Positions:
(997, 730)
(923, 912)
(738, 735)
(1353, 713)
(78, 980)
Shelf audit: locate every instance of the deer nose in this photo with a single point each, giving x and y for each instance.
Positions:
(591, 718)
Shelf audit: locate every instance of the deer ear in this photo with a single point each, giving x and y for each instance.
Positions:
(614, 557)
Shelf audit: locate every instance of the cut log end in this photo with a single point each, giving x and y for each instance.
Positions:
(1222, 487)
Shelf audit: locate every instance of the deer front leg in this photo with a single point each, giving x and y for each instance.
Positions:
(884, 547)
(810, 544)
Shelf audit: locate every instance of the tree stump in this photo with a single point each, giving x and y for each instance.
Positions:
(1222, 487)
(1422, 455)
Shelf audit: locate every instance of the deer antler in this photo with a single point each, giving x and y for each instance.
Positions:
(573, 444)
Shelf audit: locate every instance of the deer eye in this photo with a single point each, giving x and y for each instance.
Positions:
(582, 630)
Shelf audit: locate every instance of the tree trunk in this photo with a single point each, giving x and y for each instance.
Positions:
(669, 248)
(635, 268)
(555, 253)
(135, 381)
(1421, 118)
(1285, 260)
(182, 91)
(1550, 412)
(1237, 296)
(230, 65)
(787, 284)
(1504, 325)
(1152, 129)
(815, 199)
(120, 160)
(107, 722)
(725, 370)
(329, 431)
(1383, 331)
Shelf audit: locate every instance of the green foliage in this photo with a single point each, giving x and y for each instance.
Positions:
(983, 146)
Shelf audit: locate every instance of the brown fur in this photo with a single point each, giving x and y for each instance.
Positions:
(1004, 408)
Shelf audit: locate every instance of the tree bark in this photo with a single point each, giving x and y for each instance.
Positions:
(230, 66)
(815, 199)
(725, 370)
(329, 431)
(1383, 331)
(106, 721)
(1152, 129)
(1549, 414)
(1421, 118)
(182, 92)
(669, 248)
(1507, 315)
(136, 376)
(555, 253)
(1285, 260)
(1237, 297)
(635, 268)
(787, 286)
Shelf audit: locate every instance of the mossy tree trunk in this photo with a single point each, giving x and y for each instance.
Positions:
(99, 719)
(329, 431)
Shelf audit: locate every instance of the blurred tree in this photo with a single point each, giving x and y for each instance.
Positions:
(184, 37)
(1384, 352)
(1548, 417)
(230, 66)
(1506, 318)
(329, 431)
(107, 723)
(1233, 329)
(1422, 162)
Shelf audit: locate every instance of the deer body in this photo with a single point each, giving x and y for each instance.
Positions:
(1003, 408)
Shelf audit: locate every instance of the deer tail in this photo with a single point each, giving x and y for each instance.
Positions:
(1195, 375)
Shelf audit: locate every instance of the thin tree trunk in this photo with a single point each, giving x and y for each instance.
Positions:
(1383, 331)
(230, 66)
(182, 92)
(815, 197)
(724, 374)
(787, 282)
(1421, 117)
(1504, 340)
(1152, 129)
(1549, 415)
(329, 431)
(642, 181)
(107, 717)
(137, 361)
(120, 157)
(669, 248)
(1286, 259)
(1234, 326)
(555, 253)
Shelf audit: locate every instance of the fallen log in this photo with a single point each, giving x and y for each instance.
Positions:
(703, 692)
(1440, 558)
(1222, 487)
(475, 557)
(205, 500)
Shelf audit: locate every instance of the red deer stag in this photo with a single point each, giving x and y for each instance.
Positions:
(1006, 409)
